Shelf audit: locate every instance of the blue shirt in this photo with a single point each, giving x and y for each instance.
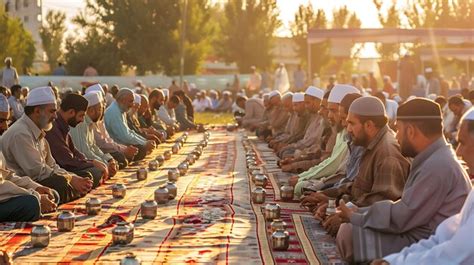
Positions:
(116, 125)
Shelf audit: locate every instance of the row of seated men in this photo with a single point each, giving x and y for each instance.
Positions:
(401, 196)
(61, 149)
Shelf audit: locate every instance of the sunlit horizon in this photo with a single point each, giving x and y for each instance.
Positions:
(364, 9)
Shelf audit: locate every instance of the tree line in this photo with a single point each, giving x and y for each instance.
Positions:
(119, 35)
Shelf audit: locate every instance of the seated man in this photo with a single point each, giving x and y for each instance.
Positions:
(313, 131)
(299, 127)
(157, 99)
(116, 124)
(254, 109)
(458, 106)
(225, 103)
(436, 188)
(311, 155)
(83, 134)
(187, 103)
(21, 199)
(166, 112)
(144, 119)
(71, 113)
(182, 116)
(28, 153)
(134, 123)
(279, 117)
(382, 170)
(338, 159)
(452, 242)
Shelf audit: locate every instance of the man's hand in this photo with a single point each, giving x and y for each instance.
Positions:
(332, 224)
(112, 167)
(104, 168)
(315, 198)
(346, 212)
(81, 185)
(130, 152)
(320, 213)
(293, 180)
(45, 191)
(150, 145)
(47, 205)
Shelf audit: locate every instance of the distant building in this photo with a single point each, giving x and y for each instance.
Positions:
(30, 13)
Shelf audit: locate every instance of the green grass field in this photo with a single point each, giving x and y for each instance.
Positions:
(213, 118)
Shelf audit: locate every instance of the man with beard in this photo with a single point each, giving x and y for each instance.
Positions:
(289, 123)
(436, 188)
(71, 113)
(83, 134)
(382, 170)
(452, 243)
(116, 123)
(28, 153)
(121, 153)
(156, 100)
(270, 101)
(300, 124)
(21, 199)
(339, 155)
(134, 123)
(311, 155)
(313, 130)
(280, 114)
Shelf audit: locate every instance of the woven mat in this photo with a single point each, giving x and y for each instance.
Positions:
(211, 221)
(309, 244)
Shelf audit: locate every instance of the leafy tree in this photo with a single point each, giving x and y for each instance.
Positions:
(306, 19)
(52, 33)
(93, 49)
(247, 33)
(199, 32)
(388, 52)
(16, 42)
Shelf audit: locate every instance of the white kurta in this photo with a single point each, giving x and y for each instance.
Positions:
(451, 244)
(282, 82)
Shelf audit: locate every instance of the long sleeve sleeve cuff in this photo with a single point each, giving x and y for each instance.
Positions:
(357, 219)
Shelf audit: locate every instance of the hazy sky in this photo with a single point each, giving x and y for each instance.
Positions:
(365, 10)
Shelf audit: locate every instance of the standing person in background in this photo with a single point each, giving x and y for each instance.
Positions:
(332, 82)
(388, 86)
(433, 86)
(173, 87)
(60, 70)
(444, 86)
(464, 81)
(373, 83)
(282, 82)
(407, 77)
(236, 84)
(9, 75)
(15, 102)
(266, 79)
(255, 82)
(90, 71)
(299, 77)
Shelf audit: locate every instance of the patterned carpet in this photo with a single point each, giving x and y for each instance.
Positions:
(211, 221)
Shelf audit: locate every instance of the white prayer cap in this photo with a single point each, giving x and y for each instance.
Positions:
(411, 97)
(385, 94)
(93, 98)
(137, 99)
(166, 92)
(253, 67)
(429, 70)
(274, 93)
(25, 88)
(368, 106)
(192, 86)
(386, 77)
(4, 106)
(95, 87)
(339, 91)
(397, 98)
(469, 115)
(8, 59)
(266, 96)
(226, 93)
(298, 97)
(287, 95)
(212, 92)
(40, 96)
(432, 96)
(314, 92)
